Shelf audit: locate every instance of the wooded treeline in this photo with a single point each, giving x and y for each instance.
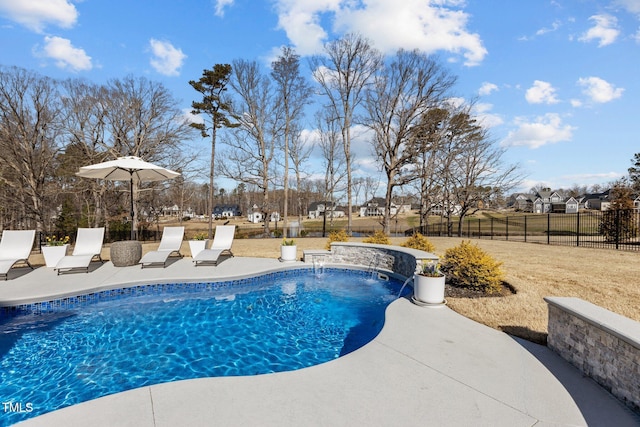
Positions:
(426, 141)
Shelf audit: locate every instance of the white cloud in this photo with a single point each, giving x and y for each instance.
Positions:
(65, 55)
(541, 93)
(545, 30)
(191, 118)
(166, 59)
(36, 14)
(485, 117)
(633, 6)
(605, 30)
(547, 129)
(599, 90)
(487, 88)
(220, 6)
(389, 24)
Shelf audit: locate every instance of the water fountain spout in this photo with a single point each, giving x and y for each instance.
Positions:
(404, 284)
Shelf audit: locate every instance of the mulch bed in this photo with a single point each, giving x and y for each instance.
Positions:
(467, 292)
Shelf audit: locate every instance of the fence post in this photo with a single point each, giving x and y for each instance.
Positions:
(578, 229)
(548, 229)
(506, 228)
(491, 228)
(617, 228)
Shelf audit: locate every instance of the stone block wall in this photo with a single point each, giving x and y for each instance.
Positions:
(394, 258)
(602, 344)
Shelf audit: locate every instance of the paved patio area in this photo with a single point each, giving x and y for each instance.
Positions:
(428, 366)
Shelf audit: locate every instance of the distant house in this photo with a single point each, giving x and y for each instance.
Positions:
(171, 210)
(255, 216)
(375, 207)
(522, 202)
(596, 201)
(317, 210)
(226, 211)
(542, 202)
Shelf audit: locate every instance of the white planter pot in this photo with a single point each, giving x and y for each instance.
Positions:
(53, 254)
(197, 246)
(288, 253)
(429, 290)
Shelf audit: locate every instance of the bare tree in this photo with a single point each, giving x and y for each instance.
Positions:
(30, 139)
(333, 158)
(85, 134)
(343, 73)
(427, 139)
(144, 120)
(402, 92)
(299, 152)
(252, 144)
(294, 93)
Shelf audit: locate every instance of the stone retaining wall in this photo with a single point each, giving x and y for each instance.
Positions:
(398, 259)
(602, 344)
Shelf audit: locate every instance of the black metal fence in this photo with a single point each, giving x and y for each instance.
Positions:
(613, 229)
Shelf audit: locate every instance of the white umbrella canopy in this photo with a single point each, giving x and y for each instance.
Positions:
(129, 168)
(126, 169)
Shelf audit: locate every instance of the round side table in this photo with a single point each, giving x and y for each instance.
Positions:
(126, 253)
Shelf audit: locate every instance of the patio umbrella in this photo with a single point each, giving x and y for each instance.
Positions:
(129, 168)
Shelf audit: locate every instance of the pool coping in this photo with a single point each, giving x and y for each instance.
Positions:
(426, 364)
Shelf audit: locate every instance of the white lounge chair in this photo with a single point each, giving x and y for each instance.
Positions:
(170, 243)
(222, 241)
(88, 246)
(15, 247)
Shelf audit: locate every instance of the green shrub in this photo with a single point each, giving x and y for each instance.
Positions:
(277, 234)
(378, 237)
(304, 233)
(468, 265)
(337, 236)
(418, 241)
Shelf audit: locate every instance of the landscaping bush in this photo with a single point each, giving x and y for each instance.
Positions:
(469, 266)
(418, 241)
(337, 236)
(378, 237)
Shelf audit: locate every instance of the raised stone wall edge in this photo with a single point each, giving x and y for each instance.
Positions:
(602, 344)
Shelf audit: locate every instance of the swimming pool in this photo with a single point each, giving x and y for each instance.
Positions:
(283, 321)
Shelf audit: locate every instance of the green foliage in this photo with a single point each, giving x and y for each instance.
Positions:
(286, 242)
(67, 222)
(337, 236)
(420, 242)
(619, 223)
(277, 233)
(304, 233)
(378, 237)
(469, 266)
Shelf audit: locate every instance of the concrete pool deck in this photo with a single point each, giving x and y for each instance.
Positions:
(428, 366)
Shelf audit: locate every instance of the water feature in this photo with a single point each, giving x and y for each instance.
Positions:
(409, 279)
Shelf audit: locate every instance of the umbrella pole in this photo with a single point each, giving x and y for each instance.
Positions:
(133, 233)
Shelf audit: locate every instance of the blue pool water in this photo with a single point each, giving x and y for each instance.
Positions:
(70, 355)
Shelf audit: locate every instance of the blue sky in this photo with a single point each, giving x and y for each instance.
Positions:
(556, 81)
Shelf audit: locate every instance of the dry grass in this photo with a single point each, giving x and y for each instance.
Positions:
(608, 278)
